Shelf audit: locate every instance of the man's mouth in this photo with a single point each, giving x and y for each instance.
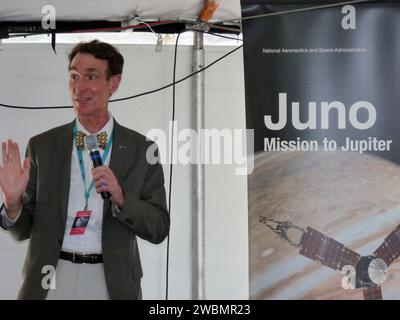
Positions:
(82, 99)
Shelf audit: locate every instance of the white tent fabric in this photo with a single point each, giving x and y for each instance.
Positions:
(116, 10)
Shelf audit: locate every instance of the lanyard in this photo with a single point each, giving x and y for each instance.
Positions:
(82, 165)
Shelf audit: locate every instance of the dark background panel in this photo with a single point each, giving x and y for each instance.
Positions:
(372, 76)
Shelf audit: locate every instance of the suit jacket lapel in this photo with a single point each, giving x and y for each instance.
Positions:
(119, 151)
(118, 158)
(64, 150)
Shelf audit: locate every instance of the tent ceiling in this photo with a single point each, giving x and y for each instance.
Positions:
(115, 10)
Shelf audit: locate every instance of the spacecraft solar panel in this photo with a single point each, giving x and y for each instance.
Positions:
(389, 250)
(372, 293)
(329, 252)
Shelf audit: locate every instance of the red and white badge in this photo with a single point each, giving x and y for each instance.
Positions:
(80, 223)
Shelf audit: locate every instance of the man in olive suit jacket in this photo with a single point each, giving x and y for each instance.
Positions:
(54, 199)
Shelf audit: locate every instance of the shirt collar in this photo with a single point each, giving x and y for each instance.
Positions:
(108, 127)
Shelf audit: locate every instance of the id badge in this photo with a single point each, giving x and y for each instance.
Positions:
(80, 223)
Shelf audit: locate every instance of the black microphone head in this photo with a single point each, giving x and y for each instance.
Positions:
(91, 143)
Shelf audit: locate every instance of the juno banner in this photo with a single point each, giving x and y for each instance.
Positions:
(323, 97)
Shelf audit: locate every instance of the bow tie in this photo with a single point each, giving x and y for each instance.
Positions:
(101, 138)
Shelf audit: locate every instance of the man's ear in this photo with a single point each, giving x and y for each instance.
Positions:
(114, 83)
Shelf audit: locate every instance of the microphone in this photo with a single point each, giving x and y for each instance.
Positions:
(92, 146)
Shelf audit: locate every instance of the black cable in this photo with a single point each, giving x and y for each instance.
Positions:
(137, 95)
(33, 108)
(215, 34)
(181, 80)
(171, 163)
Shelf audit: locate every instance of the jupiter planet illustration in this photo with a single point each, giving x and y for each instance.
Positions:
(351, 197)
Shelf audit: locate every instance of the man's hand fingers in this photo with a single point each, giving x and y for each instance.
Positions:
(100, 183)
(103, 187)
(102, 172)
(16, 154)
(101, 169)
(105, 181)
(10, 150)
(98, 175)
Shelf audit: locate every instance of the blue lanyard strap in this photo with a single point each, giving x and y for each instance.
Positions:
(82, 165)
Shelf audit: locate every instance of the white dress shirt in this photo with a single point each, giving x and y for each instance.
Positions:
(90, 241)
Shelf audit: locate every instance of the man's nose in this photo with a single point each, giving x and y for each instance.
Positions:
(80, 86)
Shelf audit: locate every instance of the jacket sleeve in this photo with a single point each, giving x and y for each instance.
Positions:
(147, 216)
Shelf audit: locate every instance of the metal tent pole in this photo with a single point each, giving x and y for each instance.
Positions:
(198, 189)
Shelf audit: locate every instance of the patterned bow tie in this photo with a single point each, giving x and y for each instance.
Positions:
(101, 138)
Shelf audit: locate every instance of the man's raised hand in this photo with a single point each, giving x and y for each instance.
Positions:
(13, 177)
